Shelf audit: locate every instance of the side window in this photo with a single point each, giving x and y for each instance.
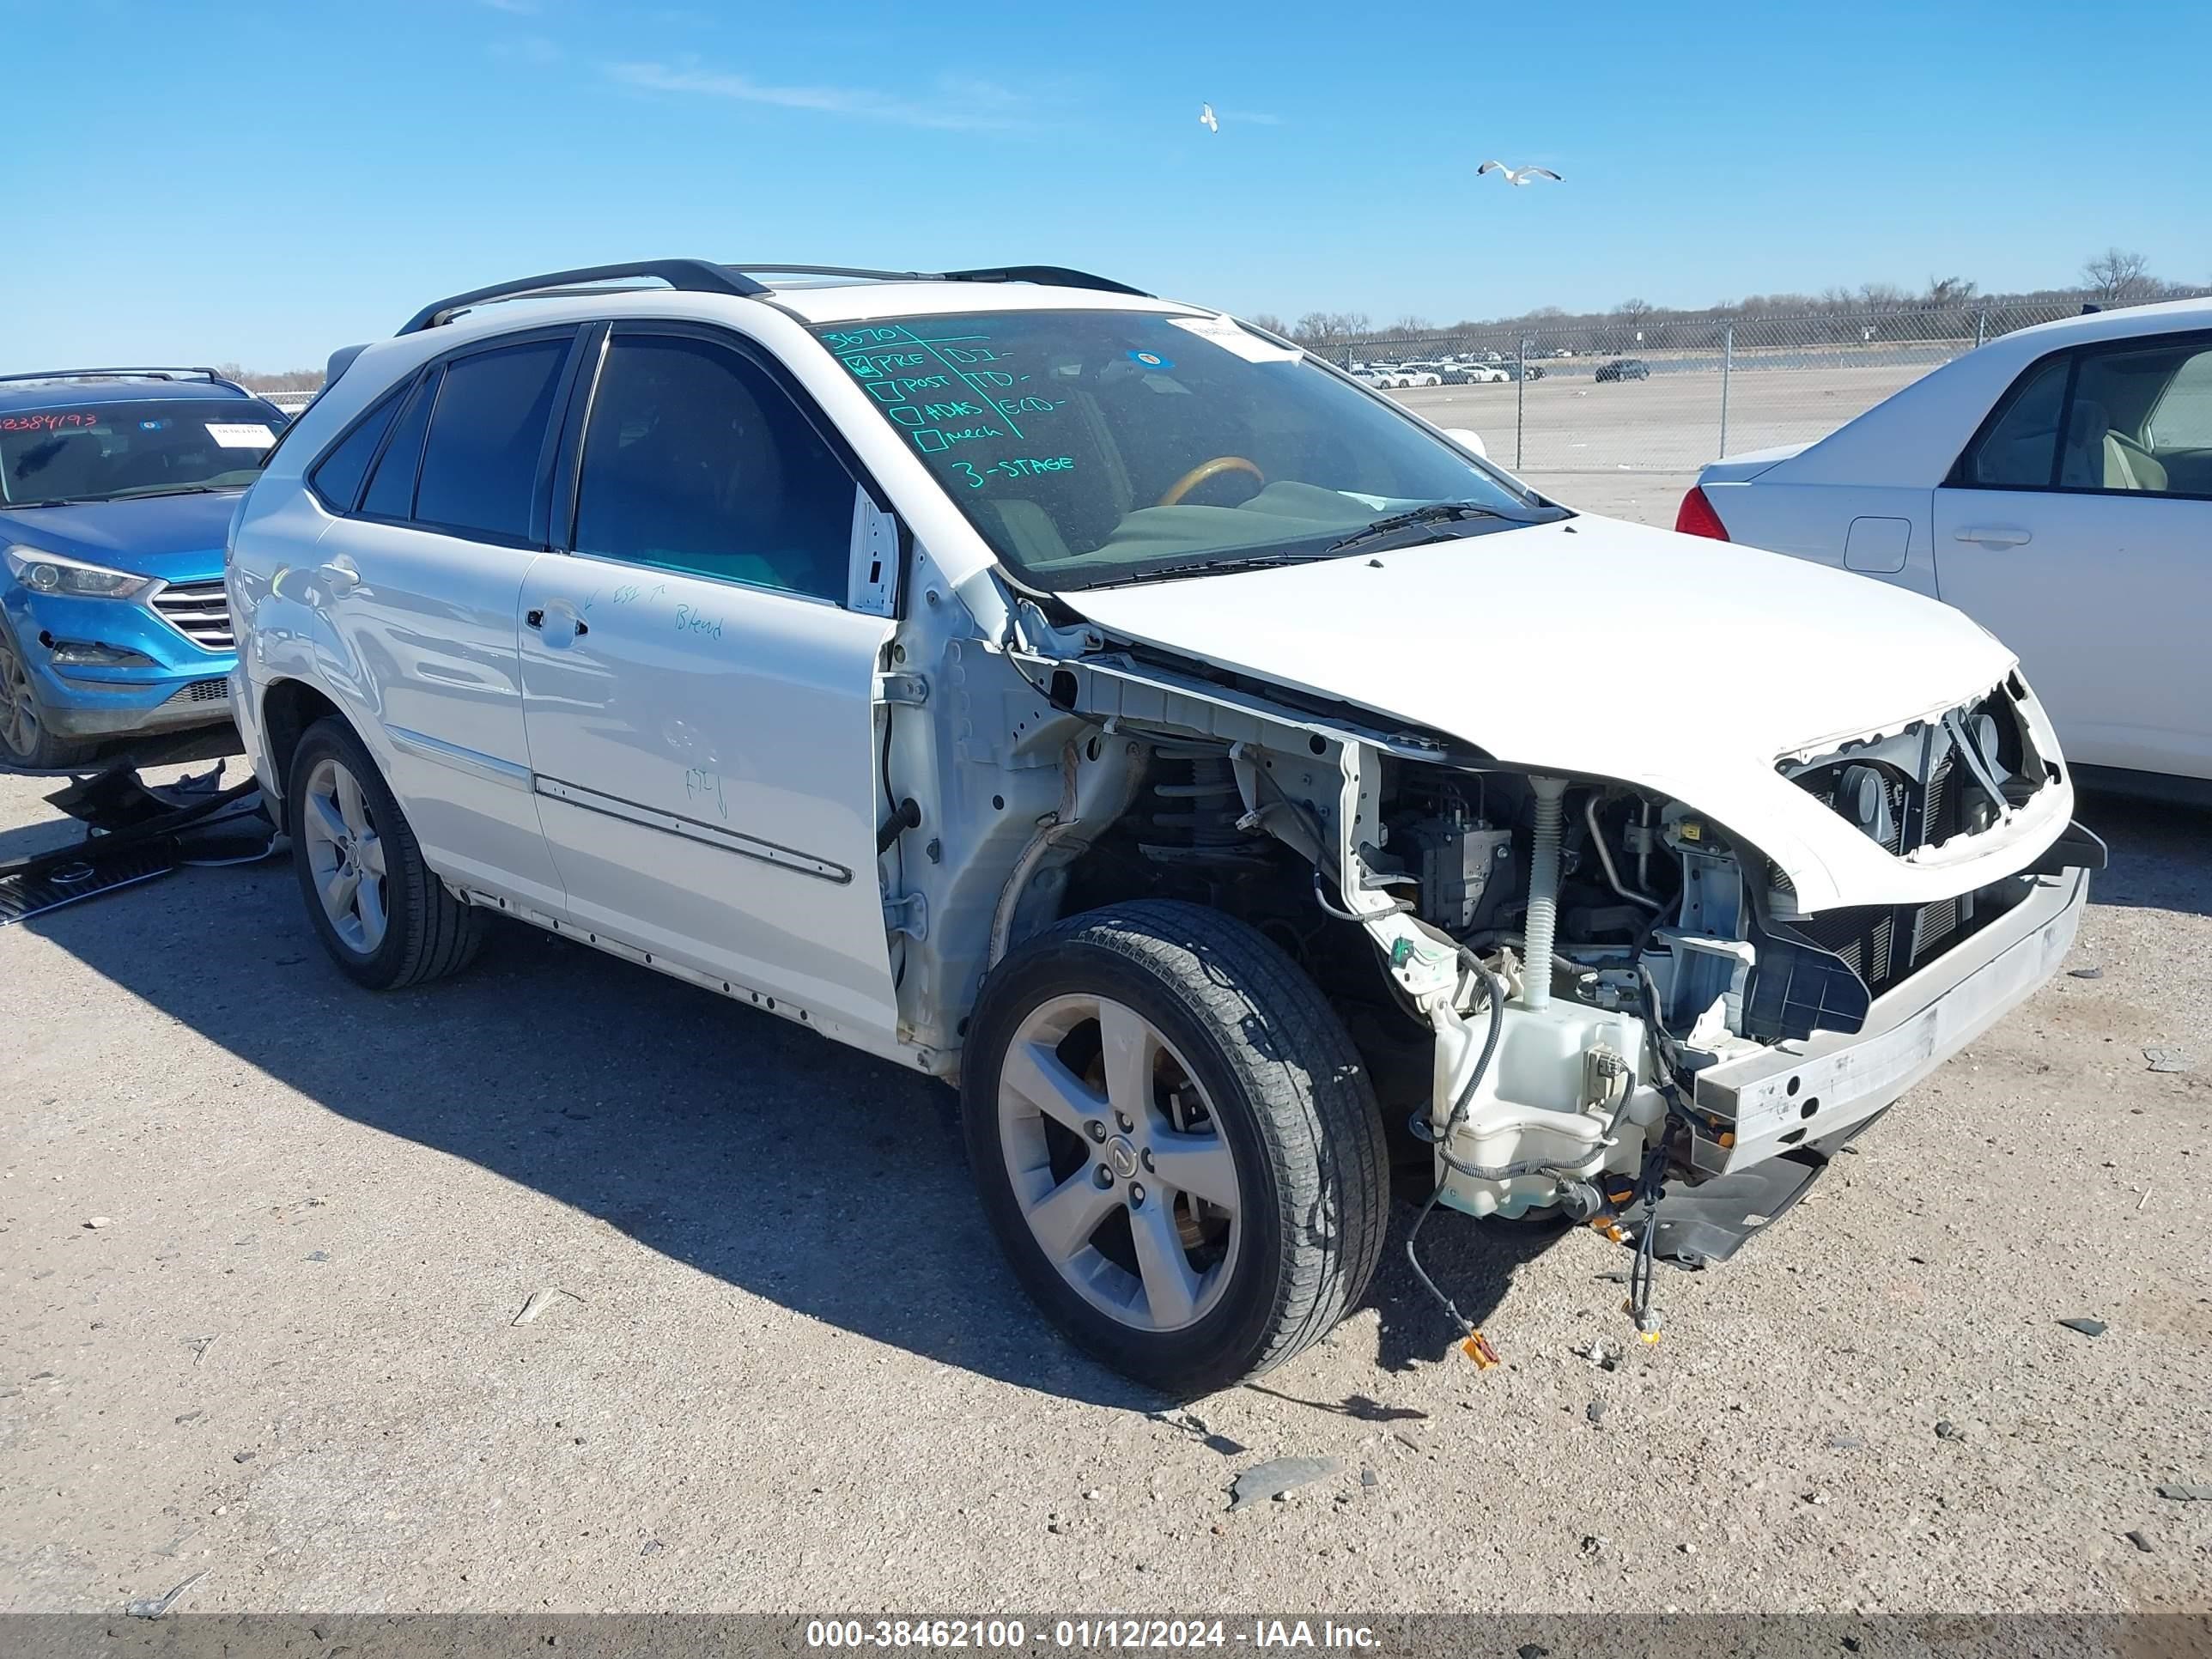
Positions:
(695, 460)
(338, 476)
(487, 434)
(2183, 419)
(2019, 450)
(392, 491)
(2140, 415)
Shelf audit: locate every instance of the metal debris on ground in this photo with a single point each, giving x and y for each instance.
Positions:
(2168, 1059)
(540, 1301)
(97, 1222)
(1946, 1430)
(2140, 1539)
(2087, 1327)
(1595, 1411)
(2085, 973)
(1279, 1477)
(153, 1607)
(1846, 1441)
(1599, 1354)
(2186, 1492)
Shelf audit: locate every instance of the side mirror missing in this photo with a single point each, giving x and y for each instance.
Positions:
(1467, 440)
(872, 583)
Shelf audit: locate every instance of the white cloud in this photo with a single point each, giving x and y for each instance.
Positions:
(954, 106)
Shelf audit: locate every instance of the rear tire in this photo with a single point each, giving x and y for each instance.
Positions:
(1175, 1142)
(380, 911)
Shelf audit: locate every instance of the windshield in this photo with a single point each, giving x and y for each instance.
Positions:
(133, 446)
(1090, 448)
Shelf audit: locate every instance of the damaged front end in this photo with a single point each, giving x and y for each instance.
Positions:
(1588, 987)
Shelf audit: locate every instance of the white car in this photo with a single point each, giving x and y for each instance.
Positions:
(1222, 774)
(2055, 484)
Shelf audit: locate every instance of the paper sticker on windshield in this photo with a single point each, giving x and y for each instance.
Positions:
(1232, 337)
(1151, 360)
(241, 436)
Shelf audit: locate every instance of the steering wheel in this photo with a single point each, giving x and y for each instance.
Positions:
(1204, 470)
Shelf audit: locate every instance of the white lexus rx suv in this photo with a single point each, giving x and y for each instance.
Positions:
(1232, 783)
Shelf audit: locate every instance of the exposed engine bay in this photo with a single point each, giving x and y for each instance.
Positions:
(1561, 957)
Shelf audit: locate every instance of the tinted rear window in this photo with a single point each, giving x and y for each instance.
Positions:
(391, 492)
(480, 465)
(336, 477)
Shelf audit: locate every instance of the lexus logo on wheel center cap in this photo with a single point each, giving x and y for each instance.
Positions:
(1122, 1156)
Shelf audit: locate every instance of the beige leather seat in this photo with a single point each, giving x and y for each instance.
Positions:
(2129, 465)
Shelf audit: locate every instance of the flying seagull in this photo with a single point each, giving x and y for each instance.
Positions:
(1208, 119)
(1517, 175)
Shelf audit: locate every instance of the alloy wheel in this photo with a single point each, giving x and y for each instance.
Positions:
(19, 704)
(1119, 1163)
(346, 854)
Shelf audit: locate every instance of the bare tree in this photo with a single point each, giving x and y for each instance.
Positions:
(1410, 323)
(2118, 277)
(1268, 321)
(1633, 311)
(1950, 290)
(1880, 296)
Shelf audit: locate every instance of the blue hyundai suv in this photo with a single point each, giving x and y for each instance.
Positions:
(117, 487)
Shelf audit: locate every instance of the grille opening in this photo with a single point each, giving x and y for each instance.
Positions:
(198, 610)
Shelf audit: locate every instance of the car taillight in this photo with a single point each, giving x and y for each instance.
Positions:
(1697, 518)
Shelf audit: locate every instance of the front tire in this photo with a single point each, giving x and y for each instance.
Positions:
(1175, 1142)
(27, 735)
(380, 909)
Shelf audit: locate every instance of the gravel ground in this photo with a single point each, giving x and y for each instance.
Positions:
(787, 1369)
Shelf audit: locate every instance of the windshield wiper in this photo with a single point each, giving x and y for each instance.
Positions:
(1434, 512)
(1219, 567)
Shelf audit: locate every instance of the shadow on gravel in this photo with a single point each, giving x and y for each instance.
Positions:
(748, 1148)
(2162, 854)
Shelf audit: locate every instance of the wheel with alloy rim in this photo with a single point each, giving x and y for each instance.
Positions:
(345, 856)
(25, 737)
(381, 912)
(1175, 1141)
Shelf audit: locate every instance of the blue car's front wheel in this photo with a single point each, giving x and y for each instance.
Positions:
(27, 738)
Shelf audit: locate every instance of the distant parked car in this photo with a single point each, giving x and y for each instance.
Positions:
(2055, 484)
(1531, 371)
(116, 485)
(1624, 368)
(1472, 374)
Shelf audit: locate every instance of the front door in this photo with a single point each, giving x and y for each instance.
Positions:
(700, 703)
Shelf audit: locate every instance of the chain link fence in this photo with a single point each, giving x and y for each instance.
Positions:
(1631, 395)
(1627, 394)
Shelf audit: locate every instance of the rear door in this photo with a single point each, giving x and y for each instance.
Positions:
(699, 698)
(419, 587)
(2077, 528)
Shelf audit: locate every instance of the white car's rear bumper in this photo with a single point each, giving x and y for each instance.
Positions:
(1812, 1090)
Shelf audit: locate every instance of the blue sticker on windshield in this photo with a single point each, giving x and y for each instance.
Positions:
(1151, 360)
(151, 425)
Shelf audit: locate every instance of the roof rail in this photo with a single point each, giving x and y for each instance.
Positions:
(1055, 276)
(1059, 276)
(685, 275)
(150, 373)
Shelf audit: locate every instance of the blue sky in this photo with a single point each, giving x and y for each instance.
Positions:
(263, 182)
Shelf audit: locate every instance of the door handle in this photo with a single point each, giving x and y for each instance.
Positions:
(536, 619)
(1995, 535)
(339, 575)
